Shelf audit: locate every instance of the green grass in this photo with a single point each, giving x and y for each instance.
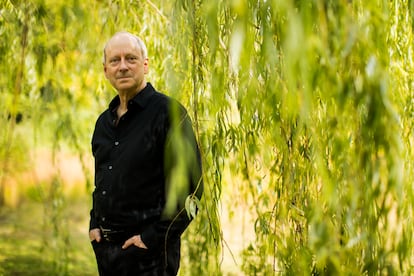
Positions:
(30, 244)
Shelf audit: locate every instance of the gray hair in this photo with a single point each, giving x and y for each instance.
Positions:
(140, 44)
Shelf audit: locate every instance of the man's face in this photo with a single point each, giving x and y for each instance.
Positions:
(124, 65)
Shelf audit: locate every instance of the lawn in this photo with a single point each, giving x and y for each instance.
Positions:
(30, 243)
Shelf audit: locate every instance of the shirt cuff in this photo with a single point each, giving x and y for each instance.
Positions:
(93, 223)
(150, 239)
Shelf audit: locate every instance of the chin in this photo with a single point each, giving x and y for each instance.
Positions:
(126, 88)
(125, 85)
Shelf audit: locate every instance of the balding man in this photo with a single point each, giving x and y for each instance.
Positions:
(147, 164)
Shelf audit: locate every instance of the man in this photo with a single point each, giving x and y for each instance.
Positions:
(147, 168)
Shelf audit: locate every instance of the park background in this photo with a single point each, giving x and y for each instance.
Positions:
(303, 110)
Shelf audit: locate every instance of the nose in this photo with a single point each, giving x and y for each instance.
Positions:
(123, 66)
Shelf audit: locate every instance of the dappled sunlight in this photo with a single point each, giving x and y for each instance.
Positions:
(45, 166)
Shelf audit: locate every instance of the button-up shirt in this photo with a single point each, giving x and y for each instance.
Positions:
(136, 165)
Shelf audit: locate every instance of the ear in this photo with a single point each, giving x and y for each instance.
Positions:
(105, 69)
(146, 65)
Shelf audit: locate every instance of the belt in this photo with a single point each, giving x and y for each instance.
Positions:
(114, 235)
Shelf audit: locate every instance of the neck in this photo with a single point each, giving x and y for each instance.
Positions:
(126, 95)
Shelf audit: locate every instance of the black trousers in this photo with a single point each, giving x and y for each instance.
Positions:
(112, 260)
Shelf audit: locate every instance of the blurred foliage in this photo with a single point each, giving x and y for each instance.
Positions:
(308, 104)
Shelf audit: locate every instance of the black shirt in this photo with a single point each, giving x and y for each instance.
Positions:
(135, 165)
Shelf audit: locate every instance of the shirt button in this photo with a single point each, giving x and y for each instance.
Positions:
(116, 143)
(103, 192)
(110, 167)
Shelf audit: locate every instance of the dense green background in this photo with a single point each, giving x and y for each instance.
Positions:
(303, 110)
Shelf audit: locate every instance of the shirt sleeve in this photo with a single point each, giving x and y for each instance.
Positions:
(183, 174)
(93, 223)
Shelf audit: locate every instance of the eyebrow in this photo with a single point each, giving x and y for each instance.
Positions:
(126, 55)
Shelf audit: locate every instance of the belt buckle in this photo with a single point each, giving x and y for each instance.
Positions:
(105, 233)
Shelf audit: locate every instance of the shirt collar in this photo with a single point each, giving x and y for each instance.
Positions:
(141, 99)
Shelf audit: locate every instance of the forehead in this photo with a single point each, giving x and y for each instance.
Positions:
(122, 44)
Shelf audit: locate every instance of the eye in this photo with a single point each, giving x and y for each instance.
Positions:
(132, 59)
(114, 61)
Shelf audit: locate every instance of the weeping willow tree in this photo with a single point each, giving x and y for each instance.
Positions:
(310, 102)
(307, 105)
(319, 136)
